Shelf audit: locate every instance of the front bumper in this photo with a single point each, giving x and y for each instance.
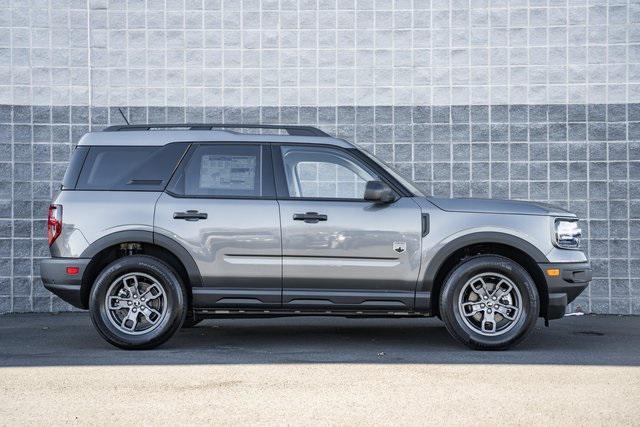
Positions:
(565, 287)
(55, 278)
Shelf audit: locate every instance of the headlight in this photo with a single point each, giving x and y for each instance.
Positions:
(567, 233)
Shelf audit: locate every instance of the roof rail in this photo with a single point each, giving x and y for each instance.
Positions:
(291, 130)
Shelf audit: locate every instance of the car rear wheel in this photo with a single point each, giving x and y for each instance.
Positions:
(137, 302)
(489, 302)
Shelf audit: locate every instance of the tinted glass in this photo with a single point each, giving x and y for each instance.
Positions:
(129, 168)
(73, 170)
(222, 170)
(318, 172)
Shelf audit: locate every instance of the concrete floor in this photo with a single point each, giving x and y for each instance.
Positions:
(56, 369)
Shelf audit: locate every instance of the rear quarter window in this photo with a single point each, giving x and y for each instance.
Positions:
(126, 168)
(73, 170)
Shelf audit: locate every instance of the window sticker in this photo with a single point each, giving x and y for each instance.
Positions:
(219, 171)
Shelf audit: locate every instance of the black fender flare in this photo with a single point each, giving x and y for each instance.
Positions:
(425, 286)
(146, 236)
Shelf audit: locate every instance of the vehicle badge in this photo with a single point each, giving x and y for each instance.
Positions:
(399, 247)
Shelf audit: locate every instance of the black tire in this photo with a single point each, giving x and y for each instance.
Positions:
(451, 312)
(166, 277)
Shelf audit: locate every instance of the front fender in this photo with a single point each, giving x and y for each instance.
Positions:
(435, 257)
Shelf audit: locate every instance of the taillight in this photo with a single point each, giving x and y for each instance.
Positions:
(54, 223)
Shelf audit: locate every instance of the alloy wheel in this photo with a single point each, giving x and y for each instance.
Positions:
(136, 303)
(490, 304)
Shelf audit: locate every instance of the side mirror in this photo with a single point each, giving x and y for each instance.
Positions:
(378, 192)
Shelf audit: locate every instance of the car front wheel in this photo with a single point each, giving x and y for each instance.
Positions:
(489, 302)
(137, 302)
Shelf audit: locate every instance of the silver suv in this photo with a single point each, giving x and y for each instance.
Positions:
(157, 227)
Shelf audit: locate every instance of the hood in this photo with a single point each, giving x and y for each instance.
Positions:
(498, 206)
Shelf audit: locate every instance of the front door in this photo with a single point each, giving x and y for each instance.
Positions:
(341, 252)
(220, 205)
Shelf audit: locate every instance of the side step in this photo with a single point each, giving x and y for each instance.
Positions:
(239, 313)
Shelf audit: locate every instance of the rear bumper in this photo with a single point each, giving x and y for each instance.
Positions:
(564, 288)
(55, 278)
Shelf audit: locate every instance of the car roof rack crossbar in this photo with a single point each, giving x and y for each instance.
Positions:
(291, 130)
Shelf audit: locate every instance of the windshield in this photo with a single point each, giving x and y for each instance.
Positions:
(393, 172)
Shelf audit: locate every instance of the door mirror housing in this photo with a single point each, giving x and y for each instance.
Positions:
(378, 192)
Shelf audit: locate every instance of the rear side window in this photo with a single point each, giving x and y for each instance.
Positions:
(221, 170)
(129, 168)
(73, 170)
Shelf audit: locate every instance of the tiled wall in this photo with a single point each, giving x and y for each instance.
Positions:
(527, 99)
(586, 158)
(319, 52)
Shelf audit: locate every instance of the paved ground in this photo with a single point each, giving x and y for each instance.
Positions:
(55, 369)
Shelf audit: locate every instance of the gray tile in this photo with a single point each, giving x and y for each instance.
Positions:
(232, 115)
(616, 112)
(402, 115)
(518, 114)
(364, 115)
(460, 114)
(327, 115)
(499, 132)
(213, 115)
(479, 114)
(538, 113)
(596, 112)
(577, 113)
(288, 115)
(557, 113)
(538, 132)
(633, 112)
(5, 113)
(480, 133)
(347, 115)
(309, 115)
(499, 114)
(22, 114)
(422, 114)
(440, 114)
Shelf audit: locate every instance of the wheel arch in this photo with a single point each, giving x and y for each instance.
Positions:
(484, 243)
(108, 248)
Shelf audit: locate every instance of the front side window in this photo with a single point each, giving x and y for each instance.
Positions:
(325, 173)
(408, 184)
(221, 170)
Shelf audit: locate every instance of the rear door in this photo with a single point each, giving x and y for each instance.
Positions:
(220, 205)
(341, 252)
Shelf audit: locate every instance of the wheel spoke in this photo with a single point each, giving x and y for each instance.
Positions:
(472, 308)
(117, 303)
(130, 321)
(151, 314)
(488, 322)
(152, 292)
(131, 284)
(479, 286)
(509, 312)
(503, 288)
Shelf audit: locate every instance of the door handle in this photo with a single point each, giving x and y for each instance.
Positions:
(309, 217)
(191, 215)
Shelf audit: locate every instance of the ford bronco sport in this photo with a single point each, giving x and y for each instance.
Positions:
(157, 227)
